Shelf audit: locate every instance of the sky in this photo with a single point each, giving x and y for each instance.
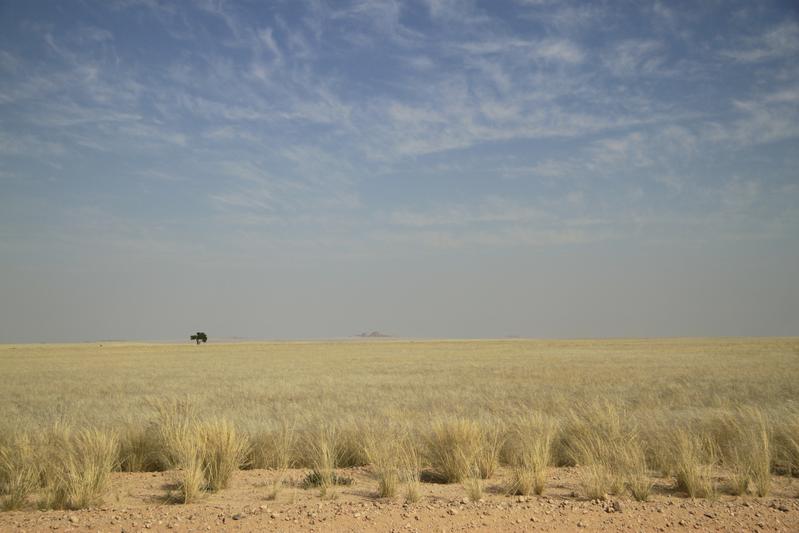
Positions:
(425, 168)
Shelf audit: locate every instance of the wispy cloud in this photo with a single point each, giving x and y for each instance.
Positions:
(781, 41)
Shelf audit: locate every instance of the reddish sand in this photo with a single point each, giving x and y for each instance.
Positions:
(136, 502)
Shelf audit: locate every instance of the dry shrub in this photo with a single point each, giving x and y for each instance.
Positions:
(451, 447)
(19, 471)
(528, 449)
(75, 469)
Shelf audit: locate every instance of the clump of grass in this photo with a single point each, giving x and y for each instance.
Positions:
(473, 484)
(693, 456)
(529, 449)
(138, 449)
(180, 446)
(410, 469)
(19, 474)
(313, 479)
(273, 449)
(786, 442)
(76, 468)
(595, 439)
(190, 470)
(205, 454)
(384, 450)
(604, 441)
(321, 452)
(451, 447)
(171, 430)
(747, 451)
(350, 444)
(223, 452)
(635, 469)
(491, 442)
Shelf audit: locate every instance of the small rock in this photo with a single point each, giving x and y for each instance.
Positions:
(521, 499)
(237, 516)
(73, 519)
(783, 508)
(581, 524)
(710, 515)
(682, 522)
(452, 511)
(617, 506)
(274, 515)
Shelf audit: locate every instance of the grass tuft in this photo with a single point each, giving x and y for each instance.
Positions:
(75, 469)
(694, 455)
(223, 452)
(746, 450)
(19, 474)
(529, 451)
(451, 448)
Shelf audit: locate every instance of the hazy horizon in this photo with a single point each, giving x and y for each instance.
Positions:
(426, 168)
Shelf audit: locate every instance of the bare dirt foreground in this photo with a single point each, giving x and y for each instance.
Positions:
(137, 502)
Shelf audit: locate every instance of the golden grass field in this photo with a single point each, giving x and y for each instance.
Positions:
(710, 414)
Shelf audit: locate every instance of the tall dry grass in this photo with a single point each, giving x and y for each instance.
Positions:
(473, 484)
(451, 446)
(321, 453)
(75, 467)
(624, 409)
(529, 452)
(745, 438)
(410, 469)
(274, 449)
(603, 440)
(385, 449)
(19, 471)
(203, 453)
(785, 424)
(492, 440)
(692, 461)
(224, 450)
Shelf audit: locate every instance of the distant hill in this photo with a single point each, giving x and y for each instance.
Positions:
(372, 334)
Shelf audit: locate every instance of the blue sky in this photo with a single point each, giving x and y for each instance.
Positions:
(437, 168)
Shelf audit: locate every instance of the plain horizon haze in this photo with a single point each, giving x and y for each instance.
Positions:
(424, 168)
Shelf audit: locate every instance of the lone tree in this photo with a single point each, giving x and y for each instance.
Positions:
(200, 336)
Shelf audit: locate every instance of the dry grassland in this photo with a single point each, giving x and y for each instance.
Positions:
(709, 416)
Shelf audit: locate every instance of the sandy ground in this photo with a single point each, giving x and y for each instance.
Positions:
(136, 502)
